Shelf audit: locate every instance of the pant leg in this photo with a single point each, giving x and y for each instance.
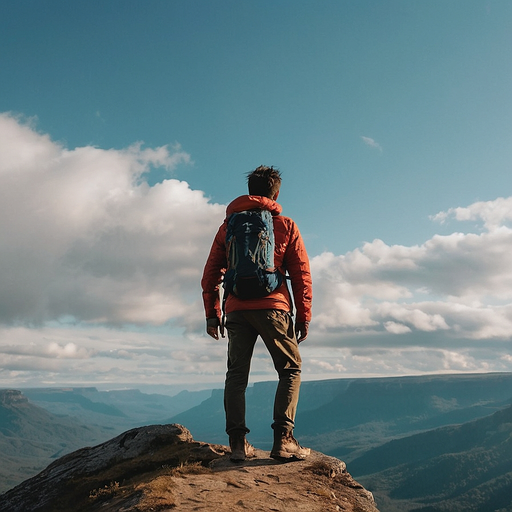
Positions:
(242, 338)
(278, 333)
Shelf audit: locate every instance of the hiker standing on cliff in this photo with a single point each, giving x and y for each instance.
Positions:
(252, 252)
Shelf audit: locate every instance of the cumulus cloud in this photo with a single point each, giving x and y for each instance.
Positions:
(493, 213)
(84, 236)
(459, 285)
(396, 328)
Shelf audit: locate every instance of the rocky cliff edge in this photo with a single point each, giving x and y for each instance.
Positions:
(161, 468)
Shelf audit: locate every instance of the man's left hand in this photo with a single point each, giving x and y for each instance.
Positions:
(213, 326)
(301, 331)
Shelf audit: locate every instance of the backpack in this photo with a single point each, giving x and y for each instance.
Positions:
(250, 246)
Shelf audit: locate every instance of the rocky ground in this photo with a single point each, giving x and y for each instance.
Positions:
(320, 483)
(161, 468)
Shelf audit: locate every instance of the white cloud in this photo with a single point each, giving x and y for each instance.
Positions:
(335, 367)
(396, 328)
(49, 350)
(412, 315)
(83, 235)
(493, 213)
(458, 286)
(370, 142)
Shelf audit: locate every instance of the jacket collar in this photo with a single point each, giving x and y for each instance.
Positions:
(247, 202)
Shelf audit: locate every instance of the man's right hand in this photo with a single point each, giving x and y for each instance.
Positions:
(213, 326)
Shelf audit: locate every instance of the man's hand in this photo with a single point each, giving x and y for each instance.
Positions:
(213, 326)
(301, 331)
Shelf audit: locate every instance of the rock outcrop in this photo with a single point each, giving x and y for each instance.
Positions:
(10, 397)
(161, 467)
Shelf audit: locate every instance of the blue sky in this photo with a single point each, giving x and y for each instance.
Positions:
(391, 122)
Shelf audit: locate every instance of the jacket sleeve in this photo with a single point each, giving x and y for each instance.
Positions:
(212, 275)
(296, 261)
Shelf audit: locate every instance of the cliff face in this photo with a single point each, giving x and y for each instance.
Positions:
(10, 397)
(161, 467)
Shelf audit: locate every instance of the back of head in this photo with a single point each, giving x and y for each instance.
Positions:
(264, 181)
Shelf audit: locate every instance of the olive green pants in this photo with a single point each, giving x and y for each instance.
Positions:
(277, 332)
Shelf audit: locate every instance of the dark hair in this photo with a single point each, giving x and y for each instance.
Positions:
(264, 181)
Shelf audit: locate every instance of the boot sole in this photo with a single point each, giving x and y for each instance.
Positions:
(288, 458)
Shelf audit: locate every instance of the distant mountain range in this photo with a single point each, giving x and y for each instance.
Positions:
(119, 409)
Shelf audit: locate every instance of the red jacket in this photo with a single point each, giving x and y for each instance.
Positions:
(289, 255)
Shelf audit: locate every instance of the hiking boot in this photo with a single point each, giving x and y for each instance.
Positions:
(240, 448)
(286, 448)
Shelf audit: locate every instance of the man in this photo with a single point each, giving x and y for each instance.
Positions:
(269, 317)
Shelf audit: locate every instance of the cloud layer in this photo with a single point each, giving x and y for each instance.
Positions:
(99, 279)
